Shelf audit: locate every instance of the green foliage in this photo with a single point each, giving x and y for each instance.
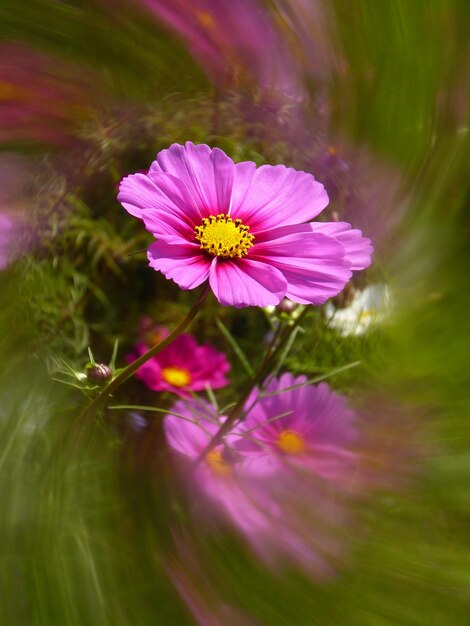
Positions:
(89, 512)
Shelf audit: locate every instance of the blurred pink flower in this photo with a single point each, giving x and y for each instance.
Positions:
(286, 511)
(308, 426)
(42, 99)
(242, 228)
(183, 366)
(235, 43)
(362, 188)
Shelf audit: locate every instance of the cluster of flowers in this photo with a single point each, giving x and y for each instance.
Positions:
(277, 474)
(247, 231)
(273, 475)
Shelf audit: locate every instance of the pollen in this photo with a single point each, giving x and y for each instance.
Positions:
(176, 376)
(224, 237)
(217, 464)
(290, 442)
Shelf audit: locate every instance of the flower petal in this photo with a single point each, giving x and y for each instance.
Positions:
(137, 193)
(188, 438)
(246, 283)
(274, 195)
(150, 372)
(358, 248)
(328, 461)
(162, 202)
(166, 225)
(183, 263)
(315, 287)
(207, 174)
(177, 197)
(313, 264)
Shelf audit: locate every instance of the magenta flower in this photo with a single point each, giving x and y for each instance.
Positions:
(294, 515)
(243, 228)
(220, 477)
(307, 426)
(183, 366)
(188, 429)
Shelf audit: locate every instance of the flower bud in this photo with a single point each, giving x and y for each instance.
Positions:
(98, 373)
(286, 306)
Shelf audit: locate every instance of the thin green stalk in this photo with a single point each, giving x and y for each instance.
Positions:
(127, 372)
(237, 411)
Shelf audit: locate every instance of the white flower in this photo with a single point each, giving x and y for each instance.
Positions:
(370, 306)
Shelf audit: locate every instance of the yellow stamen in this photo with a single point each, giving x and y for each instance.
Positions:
(291, 442)
(217, 464)
(223, 237)
(176, 376)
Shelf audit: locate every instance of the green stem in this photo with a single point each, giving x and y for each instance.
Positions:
(127, 372)
(237, 412)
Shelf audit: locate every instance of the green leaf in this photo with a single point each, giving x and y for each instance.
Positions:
(235, 347)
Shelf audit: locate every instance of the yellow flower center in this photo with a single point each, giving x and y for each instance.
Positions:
(217, 464)
(223, 237)
(176, 376)
(290, 442)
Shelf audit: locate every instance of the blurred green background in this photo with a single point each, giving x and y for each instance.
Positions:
(87, 527)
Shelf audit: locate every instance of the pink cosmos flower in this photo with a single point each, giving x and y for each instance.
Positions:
(308, 426)
(284, 516)
(188, 429)
(183, 366)
(243, 228)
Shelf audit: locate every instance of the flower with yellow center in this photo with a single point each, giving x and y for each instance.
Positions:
(224, 237)
(290, 442)
(217, 464)
(176, 376)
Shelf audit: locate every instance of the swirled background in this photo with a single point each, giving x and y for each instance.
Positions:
(98, 528)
